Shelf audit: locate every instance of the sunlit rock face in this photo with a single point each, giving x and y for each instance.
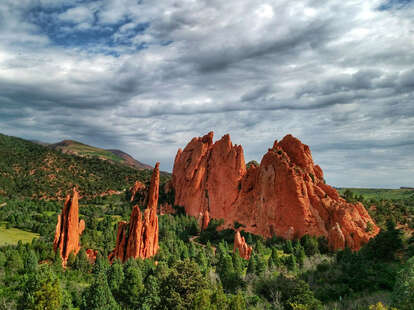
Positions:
(139, 237)
(285, 195)
(68, 228)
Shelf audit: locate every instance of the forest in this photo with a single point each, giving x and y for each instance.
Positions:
(198, 269)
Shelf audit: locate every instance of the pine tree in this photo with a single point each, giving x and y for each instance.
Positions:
(202, 300)
(101, 265)
(71, 259)
(30, 264)
(403, 293)
(202, 261)
(82, 261)
(275, 257)
(288, 247)
(237, 264)
(116, 278)
(300, 255)
(219, 299)
(151, 298)
(41, 291)
(132, 287)
(58, 263)
(291, 262)
(237, 302)
(260, 265)
(270, 263)
(192, 250)
(99, 296)
(251, 267)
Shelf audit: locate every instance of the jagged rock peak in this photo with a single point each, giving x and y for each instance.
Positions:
(68, 228)
(139, 237)
(154, 188)
(285, 195)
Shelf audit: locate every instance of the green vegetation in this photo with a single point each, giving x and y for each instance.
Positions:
(396, 205)
(81, 149)
(379, 193)
(192, 269)
(32, 170)
(13, 235)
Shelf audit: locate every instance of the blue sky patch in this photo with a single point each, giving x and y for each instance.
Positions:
(394, 4)
(68, 33)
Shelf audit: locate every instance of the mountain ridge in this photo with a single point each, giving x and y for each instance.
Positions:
(74, 147)
(29, 169)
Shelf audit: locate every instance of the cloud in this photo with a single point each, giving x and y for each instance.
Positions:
(77, 15)
(146, 77)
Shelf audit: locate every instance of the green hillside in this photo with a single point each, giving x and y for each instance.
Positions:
(380, 193)
(28, 169)
(84, 150)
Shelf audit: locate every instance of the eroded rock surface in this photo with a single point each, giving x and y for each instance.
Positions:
(139, 237)
(285, 195)
(68, 228)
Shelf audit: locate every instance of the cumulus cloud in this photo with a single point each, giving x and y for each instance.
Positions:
(146, 77)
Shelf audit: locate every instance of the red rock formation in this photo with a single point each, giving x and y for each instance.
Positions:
(240, 244)
(135, 189)
(285, 195)
(139, 237)
(68, 228)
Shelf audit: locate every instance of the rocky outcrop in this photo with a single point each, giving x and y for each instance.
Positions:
(139, 237)
(68, 228)
(241, 246)
(138, 187)
(285, 195)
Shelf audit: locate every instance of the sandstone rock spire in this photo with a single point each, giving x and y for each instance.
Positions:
(68, 228)
(240, 245)
(139, 237)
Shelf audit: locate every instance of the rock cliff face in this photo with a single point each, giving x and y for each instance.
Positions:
(240, 245)
(68, 228)
(139, 237)
(285, 195)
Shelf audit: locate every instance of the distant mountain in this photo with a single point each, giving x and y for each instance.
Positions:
(116, 156)
(129, 160)
(28, 169)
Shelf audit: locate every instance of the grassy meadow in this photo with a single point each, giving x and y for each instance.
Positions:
(10, 236)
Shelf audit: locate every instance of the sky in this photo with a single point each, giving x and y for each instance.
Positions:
(148, 76)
